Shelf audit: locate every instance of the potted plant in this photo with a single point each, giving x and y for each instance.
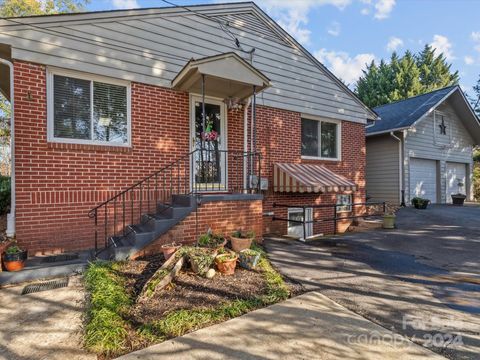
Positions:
(211, 240)
(14, 258)
(170, 249)
(249, 258)
(226, 262)
(201, 260)
(458, 199)
(241, 240)
(389, 221)
(420, 203)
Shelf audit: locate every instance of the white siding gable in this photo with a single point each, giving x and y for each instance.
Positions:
(151, 46)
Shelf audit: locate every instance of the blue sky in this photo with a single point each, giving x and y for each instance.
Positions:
(345, 34)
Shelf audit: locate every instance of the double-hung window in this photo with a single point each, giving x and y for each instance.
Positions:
(344, 203)
(86, 109)
(320, 139)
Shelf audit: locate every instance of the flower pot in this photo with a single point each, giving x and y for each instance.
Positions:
(239, 244)
(226, 267)
(249, 259)
(389, 221)
(421, 206)
(458, 199)
(201, 260)
(16, 261)
(169, 249)
(215, 247)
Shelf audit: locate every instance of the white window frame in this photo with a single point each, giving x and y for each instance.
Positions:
(339, 137)
(51, 71)
(308, 216)
(344, 208)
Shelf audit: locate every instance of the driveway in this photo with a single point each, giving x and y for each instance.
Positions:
(420, 280)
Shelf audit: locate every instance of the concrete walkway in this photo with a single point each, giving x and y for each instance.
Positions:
(42, 325)
(310, 326)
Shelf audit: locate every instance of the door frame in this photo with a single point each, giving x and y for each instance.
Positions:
(194, 97)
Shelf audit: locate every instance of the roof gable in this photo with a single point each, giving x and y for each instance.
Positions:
(152, 45)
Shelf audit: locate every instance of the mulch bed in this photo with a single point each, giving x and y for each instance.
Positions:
(188, 291)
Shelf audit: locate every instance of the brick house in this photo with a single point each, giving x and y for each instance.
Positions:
(137, 127)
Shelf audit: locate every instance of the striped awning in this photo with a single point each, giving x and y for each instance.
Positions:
(309, 178)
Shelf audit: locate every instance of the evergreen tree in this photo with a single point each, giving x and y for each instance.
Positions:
(403, 77)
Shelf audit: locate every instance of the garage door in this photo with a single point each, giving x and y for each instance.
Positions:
(423, 179)
(455, 172)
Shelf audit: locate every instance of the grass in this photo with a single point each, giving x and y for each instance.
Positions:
(107, 329)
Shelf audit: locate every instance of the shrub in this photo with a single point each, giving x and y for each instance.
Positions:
(476, 181)
(5, 192)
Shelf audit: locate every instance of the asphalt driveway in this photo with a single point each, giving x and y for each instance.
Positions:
(421, 280)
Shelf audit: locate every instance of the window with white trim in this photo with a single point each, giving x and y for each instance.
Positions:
(320, 139)
(86, 109)
(344, 203)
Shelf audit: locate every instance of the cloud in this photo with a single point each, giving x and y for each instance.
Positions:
(345, 67)
(383, 8)
(443, 45)
(468, 60)
(334, 28)
(125, 4)
(293, 15)
(394, 43)
(475, 36)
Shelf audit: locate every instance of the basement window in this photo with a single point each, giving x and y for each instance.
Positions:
(87, 109)
(344, 203)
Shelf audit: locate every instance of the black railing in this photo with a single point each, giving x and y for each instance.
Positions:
(335, 218)
(202, 170)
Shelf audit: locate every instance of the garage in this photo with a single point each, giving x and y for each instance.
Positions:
(455, 173)
(423, 179)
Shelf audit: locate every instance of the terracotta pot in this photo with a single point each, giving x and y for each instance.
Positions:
(239, 244)
(169, 249)
(216, 248)
(226, 267)
(15, 262)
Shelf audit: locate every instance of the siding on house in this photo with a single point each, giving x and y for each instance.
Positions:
(151, 46)
(420, 143)
(383, 169)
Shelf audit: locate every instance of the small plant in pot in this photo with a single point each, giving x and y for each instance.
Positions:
(211, 240)
(420, 203)
(226, 262)
(458, 199)
(201, 260)
(389, 221)
(249, 258)
(241, 240)
(14, 258)
(170, 249)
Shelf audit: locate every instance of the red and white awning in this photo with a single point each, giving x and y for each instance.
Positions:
(309, 178)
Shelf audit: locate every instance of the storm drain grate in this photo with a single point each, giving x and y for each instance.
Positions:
(47, 285)
(61, 257)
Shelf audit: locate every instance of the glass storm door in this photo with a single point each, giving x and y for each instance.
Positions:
(208, 139)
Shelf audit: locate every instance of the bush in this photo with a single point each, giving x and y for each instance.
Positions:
(5, 192)
(476, 181)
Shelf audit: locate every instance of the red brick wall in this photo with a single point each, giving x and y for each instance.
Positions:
(57, 183)
(222, 217)
(279, 140)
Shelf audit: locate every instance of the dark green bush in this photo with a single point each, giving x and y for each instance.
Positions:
(5, 191)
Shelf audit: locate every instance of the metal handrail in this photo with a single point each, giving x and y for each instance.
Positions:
(172, 184)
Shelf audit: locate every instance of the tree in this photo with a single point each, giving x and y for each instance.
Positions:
(14, 8)
(403, 77)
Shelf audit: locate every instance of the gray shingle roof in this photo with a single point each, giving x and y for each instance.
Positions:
(404, 113)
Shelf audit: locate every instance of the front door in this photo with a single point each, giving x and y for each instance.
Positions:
(209, 160)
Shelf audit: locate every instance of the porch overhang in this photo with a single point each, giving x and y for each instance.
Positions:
(226, 76)
(309, 178)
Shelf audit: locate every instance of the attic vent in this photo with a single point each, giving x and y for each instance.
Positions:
(44, 286)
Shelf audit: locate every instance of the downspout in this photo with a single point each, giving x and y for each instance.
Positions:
(11, 215)
(245, 142)
(400, 175)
